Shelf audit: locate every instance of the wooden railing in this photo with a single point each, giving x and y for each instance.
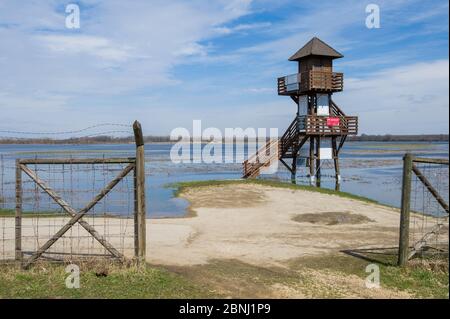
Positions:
(335, 110)
(328, 81)
(253, 164)
(319, 125)
(289, 137)
(309, 81)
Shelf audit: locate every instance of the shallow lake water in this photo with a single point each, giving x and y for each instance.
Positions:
(370, 169)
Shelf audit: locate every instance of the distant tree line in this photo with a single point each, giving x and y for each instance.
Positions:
(85, 140)
(400, 138)
(166, 139)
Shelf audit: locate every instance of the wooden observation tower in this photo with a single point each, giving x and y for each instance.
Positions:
(319, 121)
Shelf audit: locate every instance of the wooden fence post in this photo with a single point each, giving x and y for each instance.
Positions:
(140, 212)
(403, 247)
(18, 215)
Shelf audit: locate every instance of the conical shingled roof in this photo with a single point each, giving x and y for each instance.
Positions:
(316, 47)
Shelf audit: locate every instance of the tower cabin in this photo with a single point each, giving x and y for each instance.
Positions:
(319, 120)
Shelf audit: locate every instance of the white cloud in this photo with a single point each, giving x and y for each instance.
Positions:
(260, 90)
(192, 49)
(241, 28)
(401, 100)
(91, 45)
(118, 48)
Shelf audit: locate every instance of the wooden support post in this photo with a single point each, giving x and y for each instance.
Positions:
(140, 192)
(312, 174)
(403, 247)
(18, 216)
(318, 171)
(336, 159)
(294, 168)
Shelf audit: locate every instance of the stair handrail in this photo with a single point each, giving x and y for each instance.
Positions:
(289, 134)
(267, 145)
(255, 166)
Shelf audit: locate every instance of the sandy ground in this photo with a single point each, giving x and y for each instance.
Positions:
(255, 224)
(252, 223)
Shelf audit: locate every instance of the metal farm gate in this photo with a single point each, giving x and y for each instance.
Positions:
(69, 209)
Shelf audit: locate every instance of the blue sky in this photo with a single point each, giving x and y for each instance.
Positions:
(167, 63)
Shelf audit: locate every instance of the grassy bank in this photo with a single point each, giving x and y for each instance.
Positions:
(329, 276)
(48, 281)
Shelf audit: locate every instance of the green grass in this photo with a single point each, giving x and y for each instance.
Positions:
(48, 281)
(12, 212)
(219, 278)
(48, 214)
(419, 279)
(182, 186)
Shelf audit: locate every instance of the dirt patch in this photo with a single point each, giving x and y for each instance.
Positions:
(236, 279)
(225, 197)
(332, 218)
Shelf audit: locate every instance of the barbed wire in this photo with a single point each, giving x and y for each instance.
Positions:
(103, 133)
(64, 132)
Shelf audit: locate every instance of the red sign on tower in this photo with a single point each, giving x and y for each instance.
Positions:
(333, 121)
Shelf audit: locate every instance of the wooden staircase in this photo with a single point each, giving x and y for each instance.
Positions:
(263, 158)
(273, 150)
(293, 139)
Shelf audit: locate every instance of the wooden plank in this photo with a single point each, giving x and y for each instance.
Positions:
(430, 160)
(50, 161)
(295, 98)
(76, 217)
(286, 165)
(341, 143)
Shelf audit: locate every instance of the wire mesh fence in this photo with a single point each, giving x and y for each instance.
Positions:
(424, 229)
(7, 207)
